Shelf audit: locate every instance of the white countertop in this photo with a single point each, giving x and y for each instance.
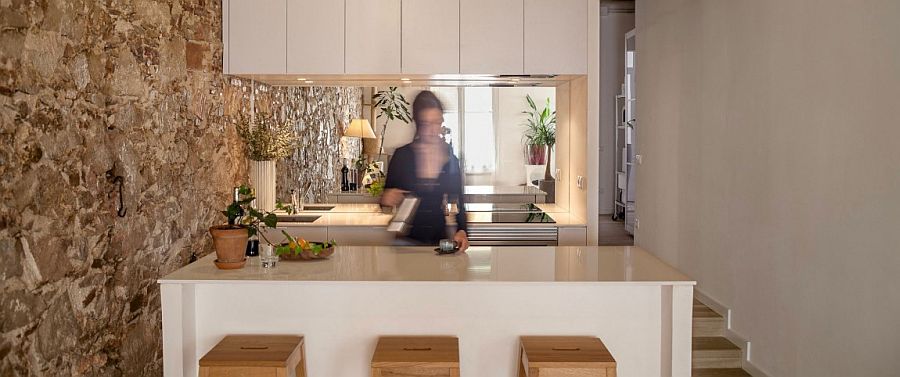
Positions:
(502, 190)
(369, 214)
(344, 214)
(586, 264)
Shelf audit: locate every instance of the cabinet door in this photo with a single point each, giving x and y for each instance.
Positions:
(430, 36)
(572, 236)
(315, 36)
(490, 36)
(256, 34)
(556, 36)
(372, 36)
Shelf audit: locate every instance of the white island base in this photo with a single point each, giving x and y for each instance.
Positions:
(488, 297)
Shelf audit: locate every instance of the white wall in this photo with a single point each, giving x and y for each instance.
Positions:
(771, 172)
(613, 26)
(510, 130)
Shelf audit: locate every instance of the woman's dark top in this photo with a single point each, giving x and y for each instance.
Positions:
(429, 225)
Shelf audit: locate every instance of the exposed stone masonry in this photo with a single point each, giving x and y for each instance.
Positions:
(91, 90)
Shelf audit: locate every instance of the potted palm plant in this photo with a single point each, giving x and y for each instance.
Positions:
(230, 240)
(540, 135)
(392, 105)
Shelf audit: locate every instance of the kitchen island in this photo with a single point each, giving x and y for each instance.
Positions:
(488, 297)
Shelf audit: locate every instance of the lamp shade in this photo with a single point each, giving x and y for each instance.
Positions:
(360, 128)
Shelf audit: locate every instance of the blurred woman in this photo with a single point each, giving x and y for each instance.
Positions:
(427, 169)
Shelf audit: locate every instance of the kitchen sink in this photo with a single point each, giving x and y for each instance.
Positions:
(317, 207)
(298, 218)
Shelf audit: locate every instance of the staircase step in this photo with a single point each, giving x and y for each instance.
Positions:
(714, 352)
(704, 311)
(706, 327)
(720, 372)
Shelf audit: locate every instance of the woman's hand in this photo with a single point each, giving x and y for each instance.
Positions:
(392, 197)
(462, 240)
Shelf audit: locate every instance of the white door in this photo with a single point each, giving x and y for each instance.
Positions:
(430, 36)
(315, 36)
(491, 36)
(556, 36)
(256, 37)
(372, 36)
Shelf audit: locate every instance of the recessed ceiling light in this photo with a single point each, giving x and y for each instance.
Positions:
(309, 82)
(301, 79)
(404, 79)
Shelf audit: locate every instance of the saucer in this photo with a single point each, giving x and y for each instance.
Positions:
(230, 265)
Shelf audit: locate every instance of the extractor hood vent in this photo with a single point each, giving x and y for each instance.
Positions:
(525, 76)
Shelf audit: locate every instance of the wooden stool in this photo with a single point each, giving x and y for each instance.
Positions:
(565, 356)
(411, 356)
(255, 356)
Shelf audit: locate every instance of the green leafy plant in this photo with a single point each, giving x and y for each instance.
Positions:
(376, 188)
(289, 209)
(540, 127)
(241, 214)
(392, 105)
(267, 138)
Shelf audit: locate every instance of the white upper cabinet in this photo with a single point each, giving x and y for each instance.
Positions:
(315, 36)
(372, 36)
(556, 36)
(430, 35)
(490, 36)
(256, 36)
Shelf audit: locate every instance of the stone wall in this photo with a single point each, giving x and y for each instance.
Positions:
(90, 91)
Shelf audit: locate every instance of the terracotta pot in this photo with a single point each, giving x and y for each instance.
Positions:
(535, 154)
(230, 242)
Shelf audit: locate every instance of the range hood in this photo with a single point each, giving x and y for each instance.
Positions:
(454, 80)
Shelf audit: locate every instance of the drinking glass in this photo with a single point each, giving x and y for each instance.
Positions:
(267, 256)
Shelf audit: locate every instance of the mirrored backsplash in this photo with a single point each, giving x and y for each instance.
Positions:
(319, 115)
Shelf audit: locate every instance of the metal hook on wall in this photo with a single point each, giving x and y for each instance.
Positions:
(120, 181)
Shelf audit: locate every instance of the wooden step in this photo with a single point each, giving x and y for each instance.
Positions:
(706, 322)
(714, 352)
(719, 372)
(709, 327)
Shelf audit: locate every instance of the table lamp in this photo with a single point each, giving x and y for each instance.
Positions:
(360, 128)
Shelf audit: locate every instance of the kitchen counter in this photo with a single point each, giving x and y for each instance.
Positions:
(502, 190)
(488, 297)
(369, 214)
(365, 224)
(344, 214)
(608, 265)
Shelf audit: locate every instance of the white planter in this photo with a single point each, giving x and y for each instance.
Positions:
(262, 178)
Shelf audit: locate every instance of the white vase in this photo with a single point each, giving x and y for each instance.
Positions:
(262, 178)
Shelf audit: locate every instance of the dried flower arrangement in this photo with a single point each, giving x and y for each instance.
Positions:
(267, 138)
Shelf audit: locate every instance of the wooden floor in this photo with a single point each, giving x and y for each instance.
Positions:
(612, 233)
(712, 354)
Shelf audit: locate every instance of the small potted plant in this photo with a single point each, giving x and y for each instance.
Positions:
(540, 135)
(244, 221)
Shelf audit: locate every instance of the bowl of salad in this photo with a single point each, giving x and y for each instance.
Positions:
(301, 249)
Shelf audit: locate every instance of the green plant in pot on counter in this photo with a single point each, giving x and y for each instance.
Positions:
(540, 134)
(244, 221)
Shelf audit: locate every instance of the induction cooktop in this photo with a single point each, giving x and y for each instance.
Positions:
(505, 213)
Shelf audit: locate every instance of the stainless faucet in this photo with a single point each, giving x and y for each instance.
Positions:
(298, 199)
